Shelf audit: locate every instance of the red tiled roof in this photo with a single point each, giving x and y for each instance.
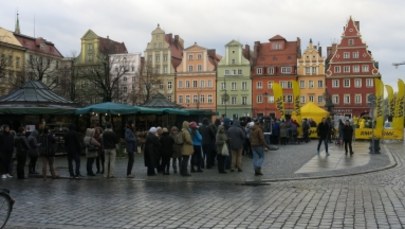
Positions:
(108, 46)
(267, 56)
(38, 45)
(176, 49)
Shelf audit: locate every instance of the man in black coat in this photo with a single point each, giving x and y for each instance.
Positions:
(208, 132)
(323, 134)
(348, 136)
(73, 146)
(6, 151)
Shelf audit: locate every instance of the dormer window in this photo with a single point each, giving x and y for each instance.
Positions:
(286, 70)
(259, 71)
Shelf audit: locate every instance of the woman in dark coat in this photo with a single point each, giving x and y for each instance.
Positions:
(152, 151)
(166, 145)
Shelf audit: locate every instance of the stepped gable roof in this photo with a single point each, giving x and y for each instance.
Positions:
(38, 45)
(160, 101)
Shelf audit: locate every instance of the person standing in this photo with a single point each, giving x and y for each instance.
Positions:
(6, 151)
(196, 158)
(92, 147)
(47, 151)
(348, 136)
(166, 145)
(177, 145)
(187, 149)
(33, 152)
(110, 141)
(323, 135)
(258, 143)
(73, 146)
(152, 148)
(305, 129)
(130, 140)
(208, 132)
(221, 139)
(100, 151)
(236, 137)
(22, 148)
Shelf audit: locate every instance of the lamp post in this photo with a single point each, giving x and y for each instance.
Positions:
(225, 96)
(374, 142)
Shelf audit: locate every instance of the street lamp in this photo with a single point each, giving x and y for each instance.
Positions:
(374, 143)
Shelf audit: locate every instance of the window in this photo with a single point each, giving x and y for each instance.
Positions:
(335, 83)
(169, 98)
(223, 100)
(223, 86)
(202, 99)
(233, 86)
(17, 62)
(346, 55)
(259, 71)
(350, 42)
(157, 58)
(357, 99)
(269, 84)
(199, 56)
(320, 83)
(364, 68)
(286, 84)
(307, 70)
(302, 84)
(195, 99)
(190, 57)
(337, 69)
(169, 85)
(289, 99)
(244, 86)
(187, 84)
(356, 68)
(259, 99)
(311, 98)
(190, 68)
(233, 100)
(271, 98)
(285, 70)
(233, 61)
(180, 84)
(335, 99)
(165, 58)
(226, 72)
(357, 83)
(180, 99)
(244, 100)
(369, 82)
(302, 99)
(346, 98)
(209, 99)
(311, 84)
(187, 99)
(125, 89)
(202, 84)
(276, 46)
(161, 86)
(195, 84)
(314, 70)
(165, 69)
(259, 85)
(346, 83)
(240, 72)
(346, 69)
(199, 68)
(209, 83)
(270, 70)
(355, 55)
(320, 99)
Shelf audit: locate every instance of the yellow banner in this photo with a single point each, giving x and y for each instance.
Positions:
(297, 105)
(391, 100)
(388, 134)
(398, 119)
(278, 98)
(378, 112)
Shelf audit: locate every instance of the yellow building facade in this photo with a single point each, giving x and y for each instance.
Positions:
(311, 75)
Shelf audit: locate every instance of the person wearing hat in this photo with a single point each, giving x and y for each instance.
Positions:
(166, 145)
(187, 149)
(196, 159)
(130, 141)
(258, 143)
(152, 151)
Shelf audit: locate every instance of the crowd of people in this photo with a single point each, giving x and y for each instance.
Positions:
(190, 149)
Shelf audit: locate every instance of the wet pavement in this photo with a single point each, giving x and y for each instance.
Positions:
(299, 189)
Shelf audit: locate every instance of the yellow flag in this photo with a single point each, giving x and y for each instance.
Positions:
(378, 112)
(398, 119)
(278, 98)
(391, 100)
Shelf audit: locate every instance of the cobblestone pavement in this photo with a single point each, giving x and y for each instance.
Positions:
(360, 195)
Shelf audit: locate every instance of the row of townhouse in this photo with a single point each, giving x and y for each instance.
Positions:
(239, 83)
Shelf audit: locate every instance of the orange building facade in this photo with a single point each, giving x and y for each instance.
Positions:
(196, 78)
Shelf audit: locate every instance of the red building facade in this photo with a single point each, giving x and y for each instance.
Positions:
(273, 62)
(350, 73)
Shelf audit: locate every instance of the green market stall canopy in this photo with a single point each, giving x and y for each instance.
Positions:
(35, 98)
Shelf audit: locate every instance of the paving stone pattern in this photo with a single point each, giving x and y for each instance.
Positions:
(280, 199)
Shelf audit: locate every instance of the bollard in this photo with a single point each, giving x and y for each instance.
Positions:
(374, 146)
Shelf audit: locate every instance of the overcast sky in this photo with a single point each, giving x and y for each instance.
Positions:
(213, 23)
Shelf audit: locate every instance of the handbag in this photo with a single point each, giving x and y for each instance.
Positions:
(225, 151)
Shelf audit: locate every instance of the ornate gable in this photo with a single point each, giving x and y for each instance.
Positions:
(89, 35)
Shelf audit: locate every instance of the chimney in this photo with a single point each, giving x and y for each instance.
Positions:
(247, 51)
(319, 50)
(176, 40)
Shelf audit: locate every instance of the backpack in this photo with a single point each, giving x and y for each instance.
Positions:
(178, 139)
